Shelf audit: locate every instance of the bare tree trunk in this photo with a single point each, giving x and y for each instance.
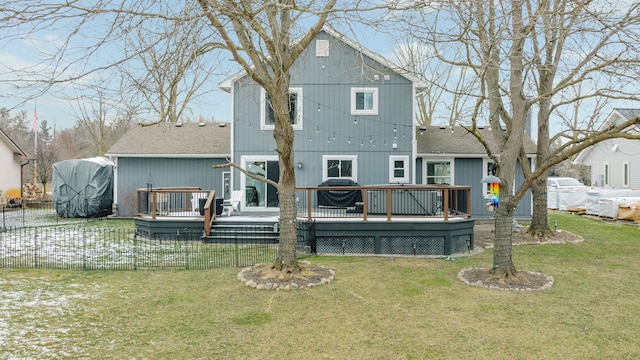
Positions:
(502, 255)
(539, 224)
(284, 135)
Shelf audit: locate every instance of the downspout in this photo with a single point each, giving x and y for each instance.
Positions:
(22, 165)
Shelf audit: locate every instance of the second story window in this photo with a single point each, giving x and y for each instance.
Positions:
(268, 116)
(364, 101)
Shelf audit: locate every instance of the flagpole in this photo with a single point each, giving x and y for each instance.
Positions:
(35, 143)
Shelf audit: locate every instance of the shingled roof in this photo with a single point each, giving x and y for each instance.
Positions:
(441, 140)
(175, 140)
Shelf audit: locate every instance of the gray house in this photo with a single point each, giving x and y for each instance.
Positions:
(169, 155)
(352, 113)
(615, 162)
(452, 156)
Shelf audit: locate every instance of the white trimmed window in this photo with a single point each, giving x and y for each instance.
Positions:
(438, 172)
(489, 170)
(625, 174)
(399, 169)
(340, 167)
(364, 101)
(267, 115)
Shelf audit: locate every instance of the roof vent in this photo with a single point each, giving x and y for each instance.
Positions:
(222, 124)
(178, 124)
(201, 124)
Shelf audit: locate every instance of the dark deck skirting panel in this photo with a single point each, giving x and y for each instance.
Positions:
(391, 238)
(411, 238)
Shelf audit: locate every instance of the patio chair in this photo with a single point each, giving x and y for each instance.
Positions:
(233, 203)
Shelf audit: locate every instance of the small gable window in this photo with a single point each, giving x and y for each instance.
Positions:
(322, 48)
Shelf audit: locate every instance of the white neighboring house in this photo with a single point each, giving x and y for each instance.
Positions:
(615, 163)
(11, 158)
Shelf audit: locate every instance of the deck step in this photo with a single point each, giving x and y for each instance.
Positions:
(226, 232)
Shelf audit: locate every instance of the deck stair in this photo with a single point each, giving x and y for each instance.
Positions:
(226, 232)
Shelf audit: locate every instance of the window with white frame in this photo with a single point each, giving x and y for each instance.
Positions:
(399, 169)
(605, 176)
(364, 101)
(438, 172)
(625, 174)
(268, 116)
(340, 167)
(489, 170)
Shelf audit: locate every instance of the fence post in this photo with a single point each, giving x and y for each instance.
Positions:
(3, 218)
(185, 243)
(135, 249)
(35, 247)
(84, 249)
(235, 241)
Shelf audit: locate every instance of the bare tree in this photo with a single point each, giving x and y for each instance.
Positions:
(520, 48)
(606, 40)
(171, 75)
(443, 97)
(99, 124)
(263, 38)
(259, 37)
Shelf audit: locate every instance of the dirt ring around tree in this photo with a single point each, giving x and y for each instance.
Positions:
(522, 281)
(264, 277)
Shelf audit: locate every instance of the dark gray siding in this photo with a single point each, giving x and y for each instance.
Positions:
(135, 173)
(469, 172)
(326, 84)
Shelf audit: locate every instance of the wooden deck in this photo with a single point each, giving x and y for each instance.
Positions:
(441, 227)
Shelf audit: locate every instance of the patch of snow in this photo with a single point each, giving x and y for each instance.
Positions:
(27, 308)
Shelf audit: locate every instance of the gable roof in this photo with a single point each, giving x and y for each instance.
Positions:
(12, 145)
(617, 116)
(442, 140)
(181, 140)
(226, 84)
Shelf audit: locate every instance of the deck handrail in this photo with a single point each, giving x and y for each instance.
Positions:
(208, 217)
(449, 195)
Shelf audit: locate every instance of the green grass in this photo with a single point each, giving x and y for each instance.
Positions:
(376, 308)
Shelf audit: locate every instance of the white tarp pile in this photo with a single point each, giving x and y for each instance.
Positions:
(605, 202)
(563, 198)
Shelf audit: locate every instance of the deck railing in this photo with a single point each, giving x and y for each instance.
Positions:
(176, 202)
(352, 202)
(384, 201)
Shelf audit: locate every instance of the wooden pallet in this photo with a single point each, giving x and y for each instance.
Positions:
(579, 210)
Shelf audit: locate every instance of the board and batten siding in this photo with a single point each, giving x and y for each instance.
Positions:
(470, 171)
(134, 173)
(328, 127)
